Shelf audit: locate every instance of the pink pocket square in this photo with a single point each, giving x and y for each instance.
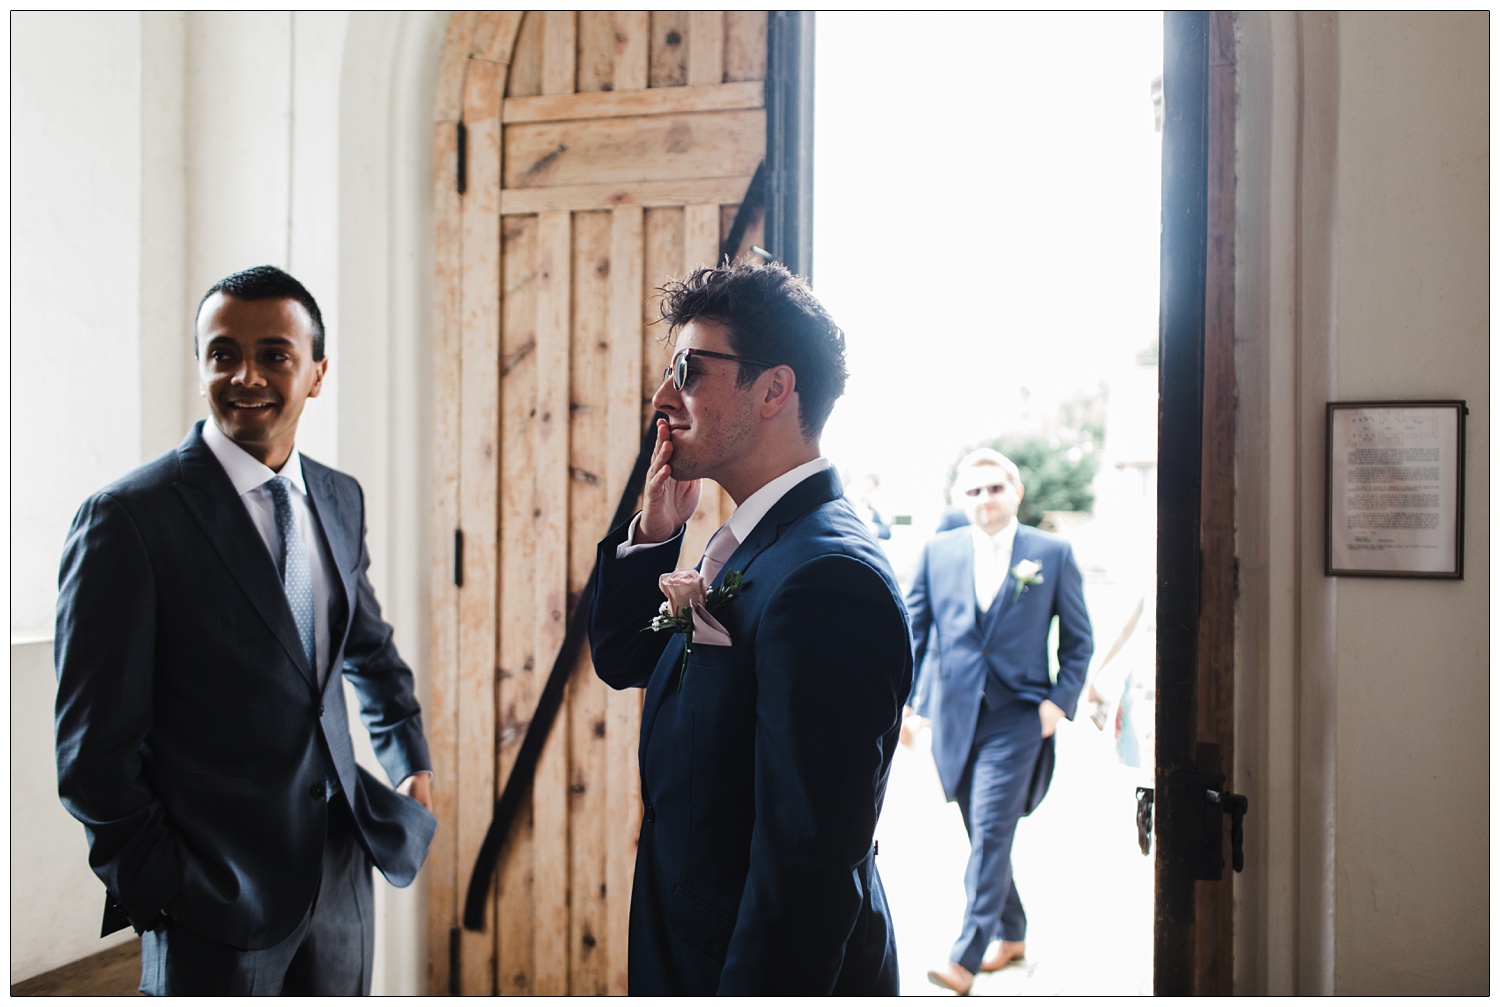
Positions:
(707, 630)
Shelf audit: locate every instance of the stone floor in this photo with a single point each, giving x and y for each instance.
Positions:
(1078, 864)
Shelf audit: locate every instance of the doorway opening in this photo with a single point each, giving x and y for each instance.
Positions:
(987, 231)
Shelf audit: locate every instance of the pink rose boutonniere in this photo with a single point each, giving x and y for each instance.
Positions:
(689, 610)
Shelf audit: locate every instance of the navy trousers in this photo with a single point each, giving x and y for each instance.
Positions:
(992, 797)
(329, 954)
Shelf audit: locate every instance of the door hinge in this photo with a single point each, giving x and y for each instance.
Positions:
(455, 959)
(1145, 798)
(458, 557)
(462, 144)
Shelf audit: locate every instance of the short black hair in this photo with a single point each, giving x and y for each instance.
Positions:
(263, 283)
(771, 315)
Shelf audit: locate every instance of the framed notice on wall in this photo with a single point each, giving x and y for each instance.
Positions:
(1396, 489)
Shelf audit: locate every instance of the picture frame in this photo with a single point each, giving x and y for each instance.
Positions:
(1394, 489)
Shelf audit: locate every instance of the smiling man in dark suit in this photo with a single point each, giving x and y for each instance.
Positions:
(765, 749)
(212, 604)
(985, 596)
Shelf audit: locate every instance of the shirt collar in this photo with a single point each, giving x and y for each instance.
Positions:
(245, 471)
(1005, 538)
(748, 514)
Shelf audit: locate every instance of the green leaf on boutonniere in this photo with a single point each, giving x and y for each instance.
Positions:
(732, 585)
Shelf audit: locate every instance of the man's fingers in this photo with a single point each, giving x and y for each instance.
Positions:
(660, 453)
(659, 480)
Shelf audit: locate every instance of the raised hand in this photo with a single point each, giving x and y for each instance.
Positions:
(668, 503)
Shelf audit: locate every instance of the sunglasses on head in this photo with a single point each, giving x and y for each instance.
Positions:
(994, 489)
(678, 370)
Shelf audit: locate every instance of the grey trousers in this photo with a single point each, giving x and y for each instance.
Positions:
(329, 953)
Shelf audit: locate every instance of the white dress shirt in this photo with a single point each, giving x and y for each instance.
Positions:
(249, 477)
(749, 513)
(992, 554)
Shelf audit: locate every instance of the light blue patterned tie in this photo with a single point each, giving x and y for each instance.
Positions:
(296, 569)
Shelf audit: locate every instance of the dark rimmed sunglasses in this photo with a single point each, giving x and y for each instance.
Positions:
(678, 371)
(995, 489)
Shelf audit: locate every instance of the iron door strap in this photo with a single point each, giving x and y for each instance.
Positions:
(518, 783)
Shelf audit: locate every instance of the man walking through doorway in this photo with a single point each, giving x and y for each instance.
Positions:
(991, 591)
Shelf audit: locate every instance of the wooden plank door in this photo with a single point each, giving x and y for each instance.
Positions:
(582, 159)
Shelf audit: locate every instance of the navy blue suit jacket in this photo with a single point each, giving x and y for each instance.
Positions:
(763, 776)
(193, 739)
(1012, 643)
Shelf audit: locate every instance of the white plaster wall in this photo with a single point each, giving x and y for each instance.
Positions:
(1412, 308)
(165, 151)
(385, 264)
(1362, 273)
(75, 295)
(56, 903)
(166, 309)
(83, 371)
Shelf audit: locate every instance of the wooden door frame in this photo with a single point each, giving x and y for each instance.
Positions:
(1195, 502)
(789, 138)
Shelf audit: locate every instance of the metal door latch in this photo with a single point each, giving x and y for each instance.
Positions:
(1206, 792)
(1235, 806)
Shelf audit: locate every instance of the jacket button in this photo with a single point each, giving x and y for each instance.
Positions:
(320, 709)
(318, 791)
(650, 813)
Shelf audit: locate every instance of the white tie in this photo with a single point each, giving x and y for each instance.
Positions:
(720, 548)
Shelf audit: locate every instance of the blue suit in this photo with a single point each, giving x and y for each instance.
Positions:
(984, 674)
(194, 741)
(763, 776)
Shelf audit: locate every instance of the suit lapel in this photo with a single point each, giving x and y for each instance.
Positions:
(814, 491)
(210, 497)
(337, 518)
(659, 687)
(957, 561)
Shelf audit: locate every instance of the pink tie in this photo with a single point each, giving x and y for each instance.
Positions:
(720, 548)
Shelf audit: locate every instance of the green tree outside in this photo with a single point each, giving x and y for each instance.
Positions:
(1054, 481)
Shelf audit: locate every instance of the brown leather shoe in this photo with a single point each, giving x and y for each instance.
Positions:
(952, 976)
(1001, 954)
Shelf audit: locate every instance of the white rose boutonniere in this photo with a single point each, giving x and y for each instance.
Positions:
(1027, 572)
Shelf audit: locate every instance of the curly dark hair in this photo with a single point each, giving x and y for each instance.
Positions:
(771, 315)
(263, 283)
